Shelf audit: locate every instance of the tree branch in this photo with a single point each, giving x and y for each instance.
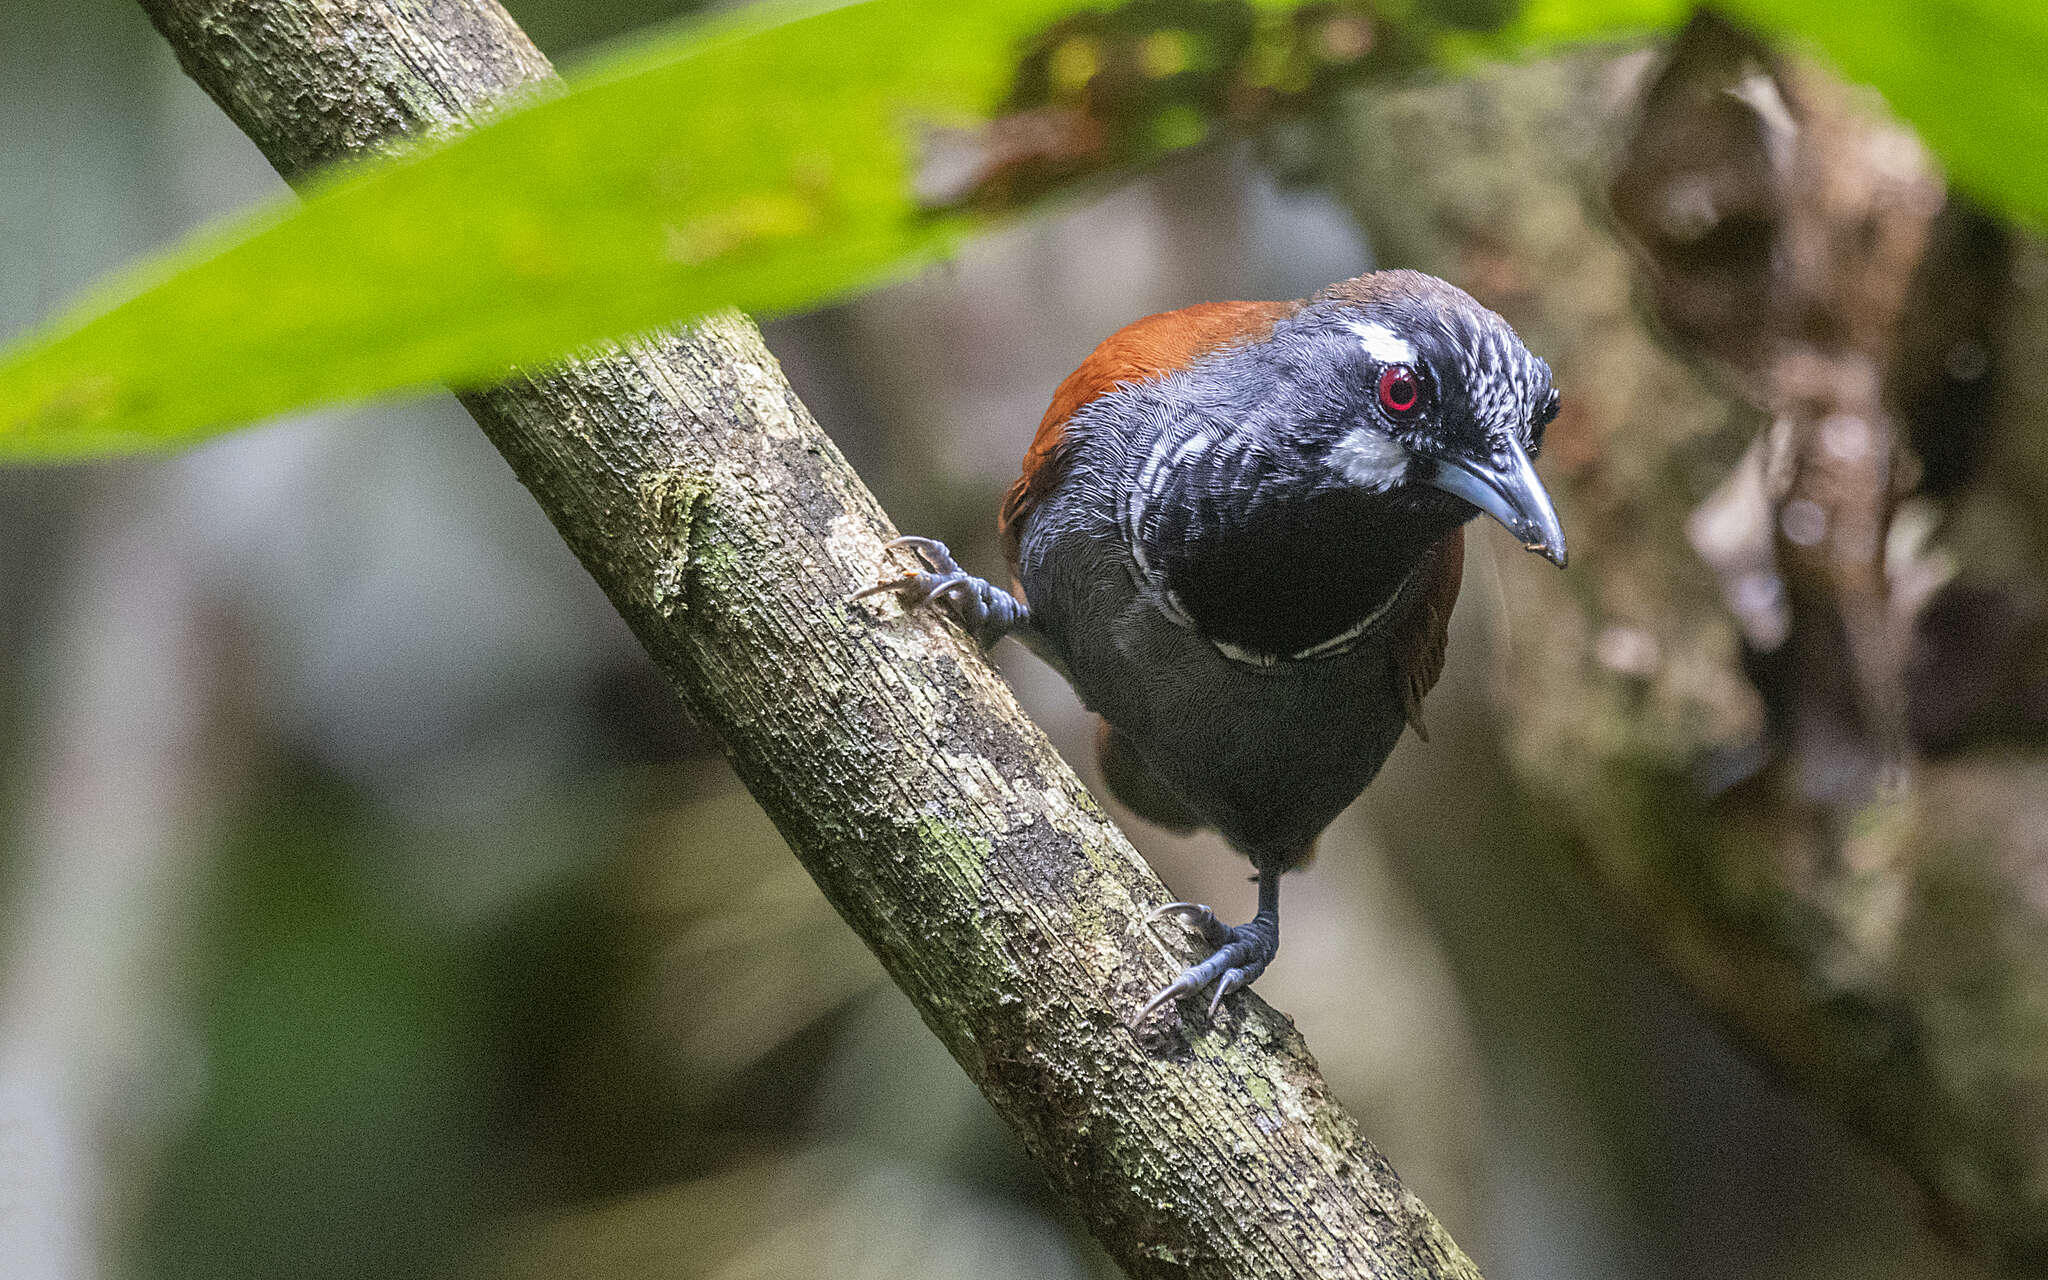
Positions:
(727, 529)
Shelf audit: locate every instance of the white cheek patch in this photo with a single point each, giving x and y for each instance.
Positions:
(1383, 344)
(1371, 460)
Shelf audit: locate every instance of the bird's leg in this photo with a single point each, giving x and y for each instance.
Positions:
(987, 611)
(1241, 953)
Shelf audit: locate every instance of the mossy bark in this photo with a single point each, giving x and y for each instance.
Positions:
(728, 531)
(1749, 707)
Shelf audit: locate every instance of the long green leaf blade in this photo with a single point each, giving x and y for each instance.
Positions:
(764, 166)
(583, 216)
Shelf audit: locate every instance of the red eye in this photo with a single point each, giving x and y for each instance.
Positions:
(1400, 390)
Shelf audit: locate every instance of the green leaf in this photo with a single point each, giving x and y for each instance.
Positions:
(1543, 22)
(768, 160)
(773, 164)
(1971, 75)
(739, 163)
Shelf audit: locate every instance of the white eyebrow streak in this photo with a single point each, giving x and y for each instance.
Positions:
(1383, 344)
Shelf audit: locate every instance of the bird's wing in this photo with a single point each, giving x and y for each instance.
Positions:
(1141, 351)
(1419, 639)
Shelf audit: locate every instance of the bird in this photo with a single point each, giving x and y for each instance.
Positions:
(1239, 535)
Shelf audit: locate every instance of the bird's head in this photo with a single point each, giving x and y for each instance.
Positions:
(1430, 399)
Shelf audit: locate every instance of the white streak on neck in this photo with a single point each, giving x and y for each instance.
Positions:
(1383, 344)
(1336, 645)
(1165, 455)
(1248, 657)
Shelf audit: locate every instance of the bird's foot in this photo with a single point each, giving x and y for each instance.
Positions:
(1240, 954)
(986, 610)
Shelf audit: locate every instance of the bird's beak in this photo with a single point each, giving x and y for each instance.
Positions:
(1511, 493)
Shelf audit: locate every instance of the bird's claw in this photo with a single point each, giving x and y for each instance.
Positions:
(915, 589)
(934, 555)
(930, 550)
(1213, 931)
(940, 572)
(1238, 957)
(986, 611)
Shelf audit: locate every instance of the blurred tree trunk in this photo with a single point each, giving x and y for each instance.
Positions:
(1789, 704)
(728, 531)
(118, 807)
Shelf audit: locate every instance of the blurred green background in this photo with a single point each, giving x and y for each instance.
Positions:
(372, 910)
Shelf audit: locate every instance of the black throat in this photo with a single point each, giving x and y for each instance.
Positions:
(1277, 572)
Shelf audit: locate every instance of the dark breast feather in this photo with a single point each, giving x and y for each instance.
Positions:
(1418, 640)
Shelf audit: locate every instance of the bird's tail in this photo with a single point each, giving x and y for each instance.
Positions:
(1134, 782)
